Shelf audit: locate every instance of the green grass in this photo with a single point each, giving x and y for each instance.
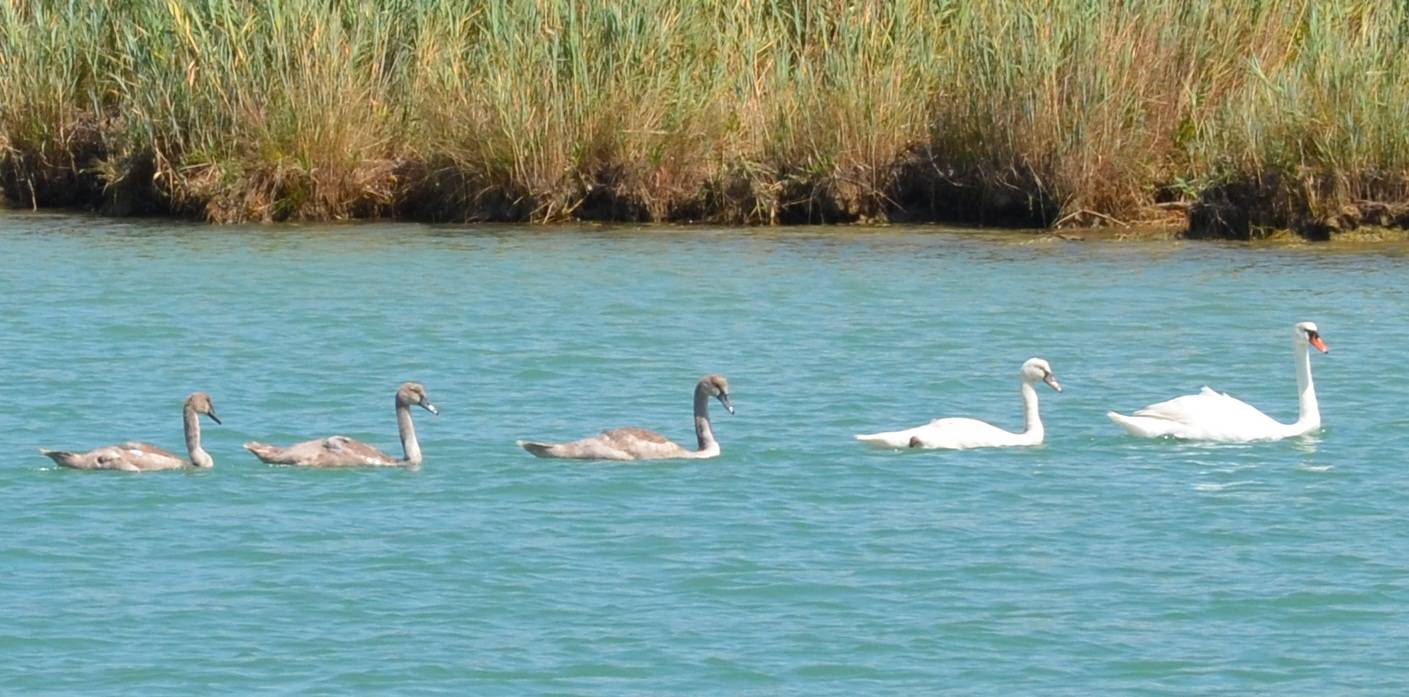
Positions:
(747, 111)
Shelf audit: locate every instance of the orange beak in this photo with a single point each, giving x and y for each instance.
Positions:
(1320, 345)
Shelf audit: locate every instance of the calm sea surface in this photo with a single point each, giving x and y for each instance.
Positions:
(798, 562)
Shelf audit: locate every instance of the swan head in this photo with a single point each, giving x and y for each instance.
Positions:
(200, 403)
(412, 393)
(1039, 369)
(1307, 333)
(718, 387)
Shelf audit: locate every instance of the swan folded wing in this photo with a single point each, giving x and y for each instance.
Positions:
(113, 457)
(1177, 409)
(338, 444)
(639, 443)
(962, 433)
(892, 439)
(106, 458)
(951, 433)
(632, 434)
(334, 451)
(342, 450)
(142, 448)
(1211, 415)
(614, 444)
(1208, 405)
(140, 455)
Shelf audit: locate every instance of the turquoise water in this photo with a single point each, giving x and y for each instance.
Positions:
(796, 563)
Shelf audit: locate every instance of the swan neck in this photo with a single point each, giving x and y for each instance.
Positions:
(1032, 421)
(199, 457)
(409, 444)
(1309, 411)
(704, 432)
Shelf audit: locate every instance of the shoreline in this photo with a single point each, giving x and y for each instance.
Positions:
(416, 193)
(1164, 231)
(427, 199)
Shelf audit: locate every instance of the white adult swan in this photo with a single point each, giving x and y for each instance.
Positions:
(641, 444)
(341, 451)
(1213, 416)
(961, 433)
(134, 456)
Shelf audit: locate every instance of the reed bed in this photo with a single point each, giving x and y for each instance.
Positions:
(1278, 113)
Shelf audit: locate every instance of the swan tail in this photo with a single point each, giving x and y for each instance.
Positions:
(538, 449)
(1121, 420)
(1141, 426)
(63, 458)
(894, 439)
(263, 451)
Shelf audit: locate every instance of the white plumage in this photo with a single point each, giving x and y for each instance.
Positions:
(1215, 416)
(964, 433)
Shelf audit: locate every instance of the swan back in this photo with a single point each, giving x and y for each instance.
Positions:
(628, 443)
(1208, 415)
(333, 451)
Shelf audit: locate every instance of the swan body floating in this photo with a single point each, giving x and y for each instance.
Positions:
(962, 433)
(1214, 416)
(134, 456)
(641, 444)
(341, 451)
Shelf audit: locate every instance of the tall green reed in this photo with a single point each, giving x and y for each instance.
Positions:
(1034, 112)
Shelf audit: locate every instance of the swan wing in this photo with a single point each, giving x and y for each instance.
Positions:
(333, 451)
(946, 434)
(1208, 405)
(641, 443)
(890, 439)
(613, 444)
(963, 433)
(123, 456)
(1208, 415)
(341, 451)
(140, 456)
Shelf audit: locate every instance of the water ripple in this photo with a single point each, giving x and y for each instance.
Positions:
(796, 563)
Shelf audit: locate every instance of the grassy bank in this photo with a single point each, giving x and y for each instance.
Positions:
(1279, 113)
